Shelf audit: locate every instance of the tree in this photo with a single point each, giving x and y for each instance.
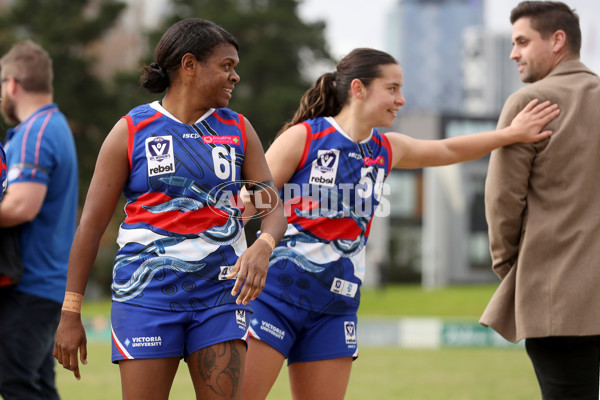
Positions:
(276, 48)
(65, 29)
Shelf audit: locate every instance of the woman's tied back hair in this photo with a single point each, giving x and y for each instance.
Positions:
(192, 35)
(330, 92)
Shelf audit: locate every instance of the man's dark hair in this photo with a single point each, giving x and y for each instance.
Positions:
(548, 17)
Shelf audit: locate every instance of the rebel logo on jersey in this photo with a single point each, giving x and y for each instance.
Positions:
(324, 168)
(159, 154)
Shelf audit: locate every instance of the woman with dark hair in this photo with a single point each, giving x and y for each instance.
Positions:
(182, 277)
(330, 164)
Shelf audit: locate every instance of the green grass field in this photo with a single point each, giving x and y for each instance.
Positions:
(413, 301)
(379, 373)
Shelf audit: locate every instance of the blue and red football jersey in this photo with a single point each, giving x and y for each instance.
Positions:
(330, 201)
(183, 230)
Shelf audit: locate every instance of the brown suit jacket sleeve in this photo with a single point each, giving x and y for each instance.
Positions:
(506, 192)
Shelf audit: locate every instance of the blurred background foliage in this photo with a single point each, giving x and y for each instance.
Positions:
(277, 52)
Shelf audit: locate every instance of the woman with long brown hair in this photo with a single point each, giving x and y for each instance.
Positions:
(330, 165)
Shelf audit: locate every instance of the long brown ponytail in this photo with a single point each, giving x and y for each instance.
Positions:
(329, 93)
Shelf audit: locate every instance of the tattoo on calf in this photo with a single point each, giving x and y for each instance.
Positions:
(220, 368)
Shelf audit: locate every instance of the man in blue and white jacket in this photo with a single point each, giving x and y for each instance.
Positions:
(41, 197)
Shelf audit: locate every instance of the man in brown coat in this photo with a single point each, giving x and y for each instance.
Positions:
(543, 209)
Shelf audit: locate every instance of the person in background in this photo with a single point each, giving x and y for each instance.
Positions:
(330, 165)
(41, 198)
(541, 208)
(182, 277)
(3, 171)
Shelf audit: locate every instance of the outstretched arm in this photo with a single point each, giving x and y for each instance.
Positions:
(526, 127)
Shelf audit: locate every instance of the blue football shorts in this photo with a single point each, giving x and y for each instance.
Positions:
(139, 332)
(302, 335)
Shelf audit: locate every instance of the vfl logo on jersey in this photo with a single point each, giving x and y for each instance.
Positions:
(159, 155)
(350, 332)
(240, 317)
(324, 168)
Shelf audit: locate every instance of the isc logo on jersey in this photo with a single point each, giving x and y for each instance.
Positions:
(324, 168)
(159, 155)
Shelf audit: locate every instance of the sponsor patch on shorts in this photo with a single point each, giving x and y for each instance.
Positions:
(144, 341)
(344, 288)
(350, 332)
(272, 329)
(240, 317)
